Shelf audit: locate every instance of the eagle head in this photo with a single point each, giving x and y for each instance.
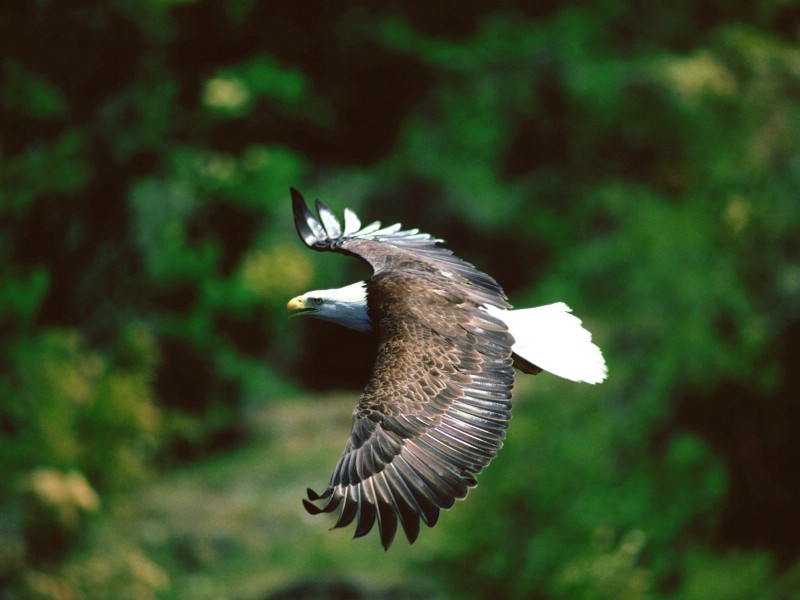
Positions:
(346, 306)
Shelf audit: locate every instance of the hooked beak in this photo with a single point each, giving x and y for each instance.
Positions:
(298, 307)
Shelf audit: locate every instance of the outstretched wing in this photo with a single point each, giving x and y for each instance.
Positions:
(391, 248)
(433, 414)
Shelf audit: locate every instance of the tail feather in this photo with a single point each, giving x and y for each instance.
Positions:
(553, 339)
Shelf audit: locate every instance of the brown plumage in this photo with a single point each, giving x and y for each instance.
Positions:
(435, 410)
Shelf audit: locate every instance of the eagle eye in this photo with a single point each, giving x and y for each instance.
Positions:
(317, 301)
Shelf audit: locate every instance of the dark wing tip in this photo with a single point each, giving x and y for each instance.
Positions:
(333, 501)
(308, 227)
(303, 218)
(387, 523)
(310, 508)
(366, 519)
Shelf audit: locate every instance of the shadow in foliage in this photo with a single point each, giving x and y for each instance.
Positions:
(755, 432)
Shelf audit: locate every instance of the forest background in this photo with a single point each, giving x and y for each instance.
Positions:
(639, 160)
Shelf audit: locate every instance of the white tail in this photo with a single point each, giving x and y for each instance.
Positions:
(553, 339)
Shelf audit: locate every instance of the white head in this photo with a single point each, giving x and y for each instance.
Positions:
(346, 306)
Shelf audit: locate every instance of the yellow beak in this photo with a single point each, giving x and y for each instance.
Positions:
(297, 307)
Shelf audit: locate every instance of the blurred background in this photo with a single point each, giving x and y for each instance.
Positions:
(160, 418)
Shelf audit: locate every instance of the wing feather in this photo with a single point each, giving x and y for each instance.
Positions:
(329, 221)
(351, 222)
(408, 509)
(309, 229)
(370, 229)
(388, 511)
(366, 512)
(423, 493)
(349, 510)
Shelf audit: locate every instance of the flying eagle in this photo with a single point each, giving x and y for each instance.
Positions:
(438, 402)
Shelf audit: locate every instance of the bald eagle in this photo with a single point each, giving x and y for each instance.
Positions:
(435, 409)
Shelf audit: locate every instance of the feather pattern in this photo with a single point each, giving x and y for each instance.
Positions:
(436, 407)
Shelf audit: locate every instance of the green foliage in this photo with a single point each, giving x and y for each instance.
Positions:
(66, 407)
(29, 93)
(234, 90)
(62, 158)
(74, 424)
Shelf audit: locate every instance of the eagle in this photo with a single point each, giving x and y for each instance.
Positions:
(436, 407)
